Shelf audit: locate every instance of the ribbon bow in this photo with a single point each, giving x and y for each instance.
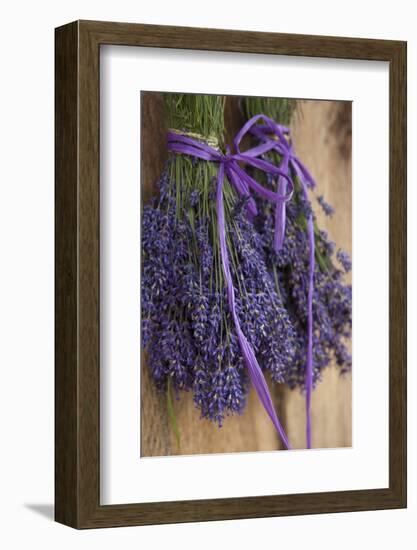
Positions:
(238, 177)
(243, 183)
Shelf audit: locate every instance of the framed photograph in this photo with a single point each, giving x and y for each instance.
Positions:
(230, 274)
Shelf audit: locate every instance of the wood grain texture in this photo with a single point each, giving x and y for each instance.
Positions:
(66, 408)
(77, 275)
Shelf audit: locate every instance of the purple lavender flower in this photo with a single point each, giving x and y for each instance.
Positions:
(194, 197)
(327, 208)
(345, 260)
(264, 319)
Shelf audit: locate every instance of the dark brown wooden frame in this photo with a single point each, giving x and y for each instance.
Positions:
(77, 406)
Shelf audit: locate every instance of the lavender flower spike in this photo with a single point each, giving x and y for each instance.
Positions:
(345, 260)
(327, 208)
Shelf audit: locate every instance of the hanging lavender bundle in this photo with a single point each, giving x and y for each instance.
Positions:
(209, 304)
(331, 296)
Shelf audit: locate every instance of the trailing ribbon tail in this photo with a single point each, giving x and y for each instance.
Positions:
(283, 146)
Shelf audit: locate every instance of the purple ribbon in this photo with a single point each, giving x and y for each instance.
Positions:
(243, 183)
(277, 138)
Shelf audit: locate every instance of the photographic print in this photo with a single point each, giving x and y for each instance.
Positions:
(246, 296)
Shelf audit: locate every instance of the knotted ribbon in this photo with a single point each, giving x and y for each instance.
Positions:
(277, 137)
(243, 183)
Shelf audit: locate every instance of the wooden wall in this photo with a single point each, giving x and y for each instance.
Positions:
(321, 133)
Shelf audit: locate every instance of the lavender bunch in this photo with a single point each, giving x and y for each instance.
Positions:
(187, 328)
(332, 298)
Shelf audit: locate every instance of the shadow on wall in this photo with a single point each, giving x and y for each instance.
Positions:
(45, 510)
